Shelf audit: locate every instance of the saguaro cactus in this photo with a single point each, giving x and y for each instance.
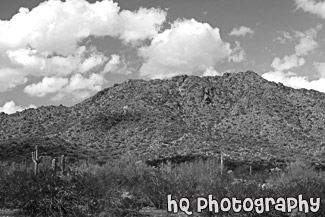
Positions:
(62, 165)
(26, 165)
(221, 163)
(37, 160)
(250, 170)
(54, 165)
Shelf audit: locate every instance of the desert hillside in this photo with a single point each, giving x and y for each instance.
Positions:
(239, 114)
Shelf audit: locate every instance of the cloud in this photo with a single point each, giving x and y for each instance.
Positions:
(32, 63)
(187, 46)
(76, 88)
(56, 26)
(46, 86)
(238, 54)
(45, 43)
(313, 7)
(287, 62)
(293, 80)
(10, 78)
(241, 31)
(11, 107)
(142, 24)
(78, 82)
(112, 63)
(80, 87)
(211, 71)
(26, 63)
(305, 44)
(307, 41)
(92, 62)
(283, 37)
(320, 67)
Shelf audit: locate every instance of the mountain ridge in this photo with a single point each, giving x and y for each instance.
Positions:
(239, 114)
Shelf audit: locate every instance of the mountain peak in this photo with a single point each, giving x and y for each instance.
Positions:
(248, 75)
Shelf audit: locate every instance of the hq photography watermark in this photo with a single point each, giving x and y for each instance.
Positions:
(259, 205)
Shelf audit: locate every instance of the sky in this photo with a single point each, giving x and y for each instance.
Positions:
(62, 52)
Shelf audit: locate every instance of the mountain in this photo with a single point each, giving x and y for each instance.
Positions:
(240, 114)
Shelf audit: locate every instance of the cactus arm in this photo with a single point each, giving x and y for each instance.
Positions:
(62, 164)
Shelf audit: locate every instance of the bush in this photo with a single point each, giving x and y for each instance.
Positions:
(123, 187)
(42, 195)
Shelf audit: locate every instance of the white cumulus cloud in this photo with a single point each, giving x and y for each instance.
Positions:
(80, 87)
(77, 87)
(32, 63)
(46, 86)
(187, 46)
(10, 107)
(45, 42)
(241, 31)
(294, 80)
(139, 25)
(312, 6)
(211, 71)
(56, 26)
(91, 62)
(287, 62)
(56, 71)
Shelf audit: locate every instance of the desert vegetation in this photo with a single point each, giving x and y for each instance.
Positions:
(129, 146)
(127, 186)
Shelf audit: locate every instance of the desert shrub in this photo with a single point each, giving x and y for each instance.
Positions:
(42, 195)
(301, 178)
(122, 187)
(117, 185)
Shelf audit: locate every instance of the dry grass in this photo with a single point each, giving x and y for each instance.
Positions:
(128, 187)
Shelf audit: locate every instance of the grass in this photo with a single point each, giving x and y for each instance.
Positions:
(123, 187)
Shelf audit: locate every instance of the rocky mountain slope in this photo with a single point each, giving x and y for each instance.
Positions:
(239, 114)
